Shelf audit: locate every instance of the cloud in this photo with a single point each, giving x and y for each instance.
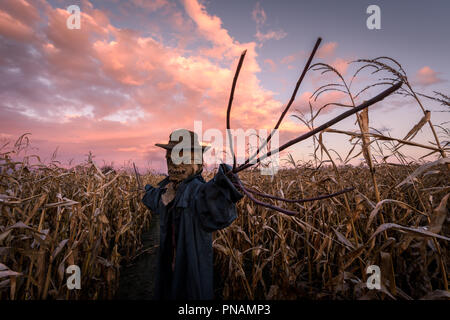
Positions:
(288, 59)
(276, 35)
(209, 26)
(272, 65)
(327, 50)
(427, 76)
(116, 91)
(21, 10)
(302, 103)
(259, 16)
(13, 28)
(340, 65)
(293, 57)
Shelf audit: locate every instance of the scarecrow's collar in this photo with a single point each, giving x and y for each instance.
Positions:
(181, 197)
(165, 181)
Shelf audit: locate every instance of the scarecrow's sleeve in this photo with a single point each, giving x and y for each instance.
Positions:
(151, 197)
(215, 202)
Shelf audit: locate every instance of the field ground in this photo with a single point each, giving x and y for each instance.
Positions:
(137, 279)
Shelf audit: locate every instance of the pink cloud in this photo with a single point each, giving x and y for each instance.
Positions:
(17, 19)
(117, 91)
(293, 57)
(13, 28)
(427, 76)
(327, 50)
(288, 59)
(302, 103)
(271, 64)
(21, 10)
(259, 15)
(209, 26)
(340, 65)
(276, 35)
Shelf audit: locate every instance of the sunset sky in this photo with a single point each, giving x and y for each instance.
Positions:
(138, 69)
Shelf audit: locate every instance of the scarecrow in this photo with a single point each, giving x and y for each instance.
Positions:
(190, 209)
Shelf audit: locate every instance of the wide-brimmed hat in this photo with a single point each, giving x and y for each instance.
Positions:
(179, 137)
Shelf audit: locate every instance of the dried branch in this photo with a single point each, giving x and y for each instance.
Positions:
(294, 94)
(326, 125)
(230, 102)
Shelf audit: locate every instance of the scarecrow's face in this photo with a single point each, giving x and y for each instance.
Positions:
(179, 172)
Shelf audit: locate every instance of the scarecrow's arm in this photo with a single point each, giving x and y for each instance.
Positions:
(214, 201)
(151, 197)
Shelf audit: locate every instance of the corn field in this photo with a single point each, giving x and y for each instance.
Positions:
(325, 251)
(53, 217)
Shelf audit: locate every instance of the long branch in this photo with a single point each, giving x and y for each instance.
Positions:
(321, 197)
(230, 102)
(267, 205)
(294, 94)
(326, 125)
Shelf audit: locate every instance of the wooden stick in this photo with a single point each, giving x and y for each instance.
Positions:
(230, 102)
(321, 197)
(326, 125)
(305, 69)
(138, 180)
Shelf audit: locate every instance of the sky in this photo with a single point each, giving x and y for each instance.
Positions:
(137, 70)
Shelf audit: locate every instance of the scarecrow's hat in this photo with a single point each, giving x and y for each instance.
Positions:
(179, 136)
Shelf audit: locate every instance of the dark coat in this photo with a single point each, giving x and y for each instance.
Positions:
(198, 209)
